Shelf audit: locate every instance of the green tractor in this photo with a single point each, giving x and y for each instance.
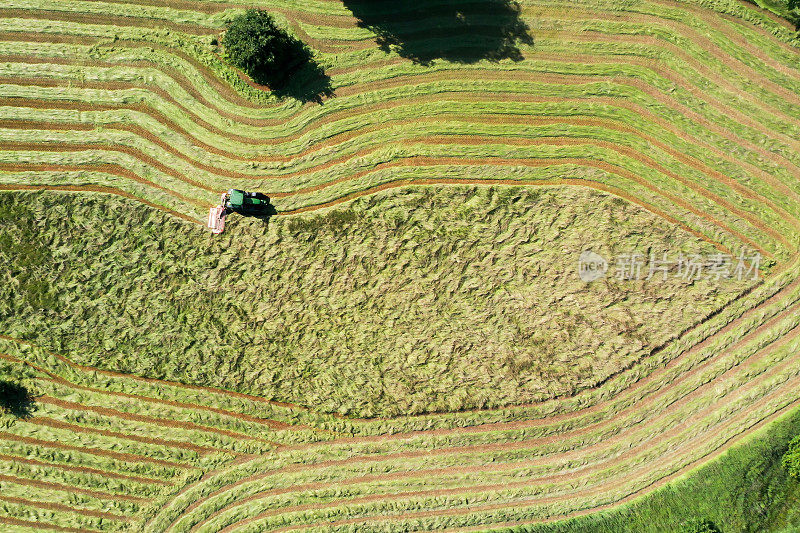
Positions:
(249, 204)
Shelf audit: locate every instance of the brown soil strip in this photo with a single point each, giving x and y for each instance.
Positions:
(674, 26)
(58, 424)
(109, 168)
(43, 525)
(274, 424)
(525, 162)
(740, 67)
(57, 507)
(77, 147)
(740, 41)
(119, 456)
(462, 139)
(55, 38)
(393, 82)
(348, 135)
(176, 424)
(49, 485)
(107, 20)
(85, 470)
(316, 19)
(705, 13)
(61, 147)
(184, 83)
(702, 69)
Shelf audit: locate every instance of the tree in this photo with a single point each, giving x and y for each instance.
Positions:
(269, 55)
(257, 45)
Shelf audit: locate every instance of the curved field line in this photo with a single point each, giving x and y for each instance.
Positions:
(77, 428)
(111, 169)
(514, 75)
(606, 487)
(317, 123)
(273, 424)
(580, 451)
(461, 139)
(476, 508)
(108, 20)
(96, 189)
(762, 149)
(51, 506)
(556, 421)
(120, 456)
(71, 488)
(150, 420)
(417, 161)
(44, 525)
(86, 470)
(720, 200)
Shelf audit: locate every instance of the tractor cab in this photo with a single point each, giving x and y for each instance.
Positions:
(249, 204)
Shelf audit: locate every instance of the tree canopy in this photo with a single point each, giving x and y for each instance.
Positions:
(270, 56)
(257, 45)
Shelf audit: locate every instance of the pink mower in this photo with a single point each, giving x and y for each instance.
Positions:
(216, 219)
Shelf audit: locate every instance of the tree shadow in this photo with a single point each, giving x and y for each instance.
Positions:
(304, 79)
(16, 400)
(459, 31)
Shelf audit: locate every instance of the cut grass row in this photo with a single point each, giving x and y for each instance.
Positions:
(768, 165)
(261, 132)
(297, 485)
(554, 151)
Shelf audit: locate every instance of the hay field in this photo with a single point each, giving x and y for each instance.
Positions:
(406, 345)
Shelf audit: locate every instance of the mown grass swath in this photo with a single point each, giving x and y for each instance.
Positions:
(389, 352)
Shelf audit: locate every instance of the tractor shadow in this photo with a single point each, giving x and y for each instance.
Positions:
(461, 32)
(16, 400)
(304, 79)
(265, 218)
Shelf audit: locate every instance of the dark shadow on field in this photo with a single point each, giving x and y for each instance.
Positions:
(16, 399)
(271, 212)
(304, 79)
(459, 31)
(264, 219)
